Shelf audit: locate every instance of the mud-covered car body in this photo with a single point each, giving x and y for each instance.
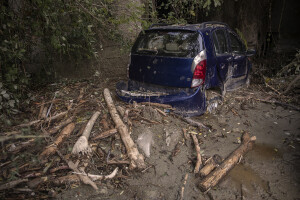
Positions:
(176, 64)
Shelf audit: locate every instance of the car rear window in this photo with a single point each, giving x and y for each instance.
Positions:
(168, 43)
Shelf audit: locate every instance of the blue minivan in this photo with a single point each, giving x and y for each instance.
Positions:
(177, 64)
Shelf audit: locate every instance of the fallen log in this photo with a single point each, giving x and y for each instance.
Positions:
(199, 159)
(214, 162)
(66, 132)
(136, 159)
(215, 176)
(105, 134)
(82, 145)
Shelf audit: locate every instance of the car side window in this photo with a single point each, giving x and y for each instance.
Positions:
(236, 45)
(220, 42)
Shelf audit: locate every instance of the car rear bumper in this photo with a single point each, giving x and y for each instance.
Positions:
(186, 101)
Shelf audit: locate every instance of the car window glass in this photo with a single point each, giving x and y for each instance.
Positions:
(222, 46)
(168, 43)
(236, 45)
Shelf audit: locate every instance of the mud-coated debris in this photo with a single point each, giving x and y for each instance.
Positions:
(150, 113)
(103, 190)
(144, 141)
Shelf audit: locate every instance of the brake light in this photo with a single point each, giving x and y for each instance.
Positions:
(199, 69)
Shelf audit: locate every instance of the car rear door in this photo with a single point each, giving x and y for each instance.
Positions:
(222, 53)
(238, 50)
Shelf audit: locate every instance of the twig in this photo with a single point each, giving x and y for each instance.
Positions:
(100, 177)
(161, 112)
(182, 188)
(106, 134)
(194, 123)
(279, 103)
(14, 137)
(12, 184)
(73, 166)
(199, 159)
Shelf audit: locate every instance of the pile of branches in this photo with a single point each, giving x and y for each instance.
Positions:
(59, 147)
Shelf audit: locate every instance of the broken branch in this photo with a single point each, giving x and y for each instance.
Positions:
(137, 159)
(199, 159)
(82, 144)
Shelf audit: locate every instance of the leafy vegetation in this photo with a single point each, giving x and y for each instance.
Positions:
(37, 33)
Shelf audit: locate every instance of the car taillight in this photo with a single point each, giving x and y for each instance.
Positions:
(199, 69)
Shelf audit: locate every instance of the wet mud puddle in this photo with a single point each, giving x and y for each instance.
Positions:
(247, 180)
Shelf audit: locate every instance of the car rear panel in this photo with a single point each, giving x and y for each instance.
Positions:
(186, 101)
(168, 71)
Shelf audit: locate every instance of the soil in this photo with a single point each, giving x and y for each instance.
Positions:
(269, 171)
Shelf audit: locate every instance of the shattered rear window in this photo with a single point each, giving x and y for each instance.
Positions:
(168, 43)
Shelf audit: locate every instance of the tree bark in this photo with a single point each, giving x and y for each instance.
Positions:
(211, 165)
(66, 132)
(137, 159)
(214, 177)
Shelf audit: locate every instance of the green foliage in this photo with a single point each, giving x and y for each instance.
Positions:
(183, 11)
(46, 31)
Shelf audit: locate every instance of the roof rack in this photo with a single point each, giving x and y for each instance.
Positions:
(213, 24)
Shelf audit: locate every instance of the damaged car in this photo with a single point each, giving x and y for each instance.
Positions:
(178, 64)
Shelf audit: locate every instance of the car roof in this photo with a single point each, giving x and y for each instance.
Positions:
(188, 27)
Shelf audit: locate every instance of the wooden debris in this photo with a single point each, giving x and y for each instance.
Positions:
(182, 188)
(82, 145)
(60, 125)
(106, 134)
(15, 137)
(199, 159)
(279, 103)
(194, 123)
(66, 180)
(100, 177)
(137, 159)
(157, 105)
(84, 179)
(66, 132)
(215, 176)
(59, 115)
(12, 184)
(210, 165)
(161, 112)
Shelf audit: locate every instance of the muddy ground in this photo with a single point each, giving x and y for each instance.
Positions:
(269, 171)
